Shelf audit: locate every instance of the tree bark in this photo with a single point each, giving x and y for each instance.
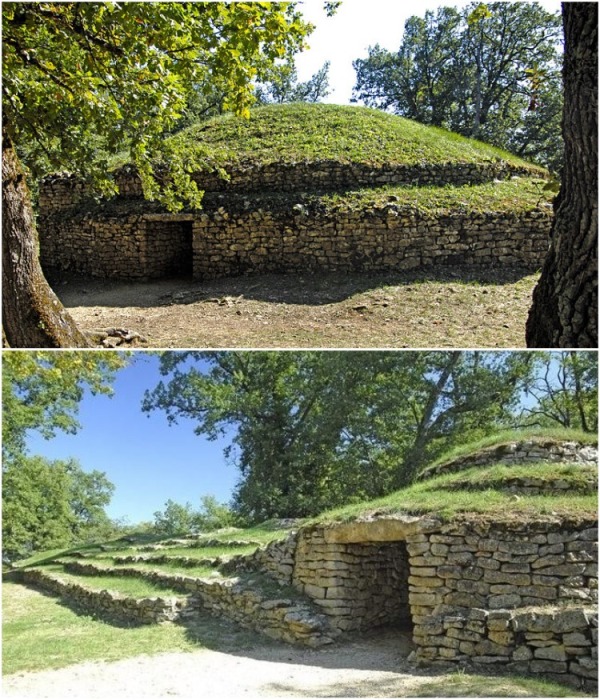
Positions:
(565, 301)
(32, 315)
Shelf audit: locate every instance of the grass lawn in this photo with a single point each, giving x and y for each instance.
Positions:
(41, 633)
(127, 586)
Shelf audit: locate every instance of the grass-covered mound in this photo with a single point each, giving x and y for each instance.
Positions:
(486, 490)
(317, 132)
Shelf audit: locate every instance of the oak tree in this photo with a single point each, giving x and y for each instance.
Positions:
(565, 301)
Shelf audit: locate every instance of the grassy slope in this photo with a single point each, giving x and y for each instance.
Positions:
(507, 436)
(299, 132)
(445, 496)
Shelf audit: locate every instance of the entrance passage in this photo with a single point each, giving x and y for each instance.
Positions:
(381, 584)
(169, 251)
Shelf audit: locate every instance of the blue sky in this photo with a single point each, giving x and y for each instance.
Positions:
(357, 25)
(147, 460)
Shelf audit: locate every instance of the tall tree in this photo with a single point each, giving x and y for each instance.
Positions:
(284, 86)
(565, 301)
(73, 72)
(490, 71)
(50, 504)
(316, 430)
(565, 391)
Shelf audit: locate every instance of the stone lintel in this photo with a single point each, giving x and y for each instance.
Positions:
(391, 529)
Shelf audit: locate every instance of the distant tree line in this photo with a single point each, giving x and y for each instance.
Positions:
(50, 503)
(491, 71)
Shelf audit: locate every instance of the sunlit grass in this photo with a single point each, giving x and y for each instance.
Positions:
(125, 585)
(297, 132)
(41, 633)
(507, 436)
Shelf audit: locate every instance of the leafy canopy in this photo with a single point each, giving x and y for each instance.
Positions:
(41, 391)
(314, 430)
(85, 79)
(490, 71)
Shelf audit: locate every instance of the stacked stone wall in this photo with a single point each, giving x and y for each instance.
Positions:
(263, 222)
(285, 618)
(359, 586)
(520, 452)
(108, 604)
(61, 191)
(379, 239)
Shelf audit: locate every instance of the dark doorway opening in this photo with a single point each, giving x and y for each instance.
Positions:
(169, 248)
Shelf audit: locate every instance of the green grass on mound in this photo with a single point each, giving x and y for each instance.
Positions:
(128, 586)
(515, 195)
(496, 476)
(507, 436)
(317, 132)
(440, 496)
(169, 568)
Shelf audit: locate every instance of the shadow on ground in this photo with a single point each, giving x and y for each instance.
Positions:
(310, 289)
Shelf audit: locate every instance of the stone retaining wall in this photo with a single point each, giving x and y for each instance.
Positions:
(217, 243)
(560, 643)
(108, 604)
(512, 594)
(358, 586)
(63, 190)
(520, 452)
(277, 616)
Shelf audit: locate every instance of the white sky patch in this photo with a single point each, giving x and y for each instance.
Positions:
(357, 25)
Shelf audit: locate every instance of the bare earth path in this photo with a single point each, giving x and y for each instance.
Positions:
(442, 308)
(370, 667)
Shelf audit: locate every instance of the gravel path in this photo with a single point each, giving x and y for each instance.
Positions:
(370, 667)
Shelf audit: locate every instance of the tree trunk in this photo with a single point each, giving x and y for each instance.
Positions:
(565, 301)
(32, 315)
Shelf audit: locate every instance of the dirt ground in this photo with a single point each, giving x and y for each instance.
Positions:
(444, 308)
(374, 666)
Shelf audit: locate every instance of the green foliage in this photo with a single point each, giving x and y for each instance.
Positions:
(491, 71)
(50, 504)
(284, 86)
(214, 515)
(41, 391)
(46, 503)
(175, 519)
(565, 390)
(315, 430)
(183, 519)
(85, 79)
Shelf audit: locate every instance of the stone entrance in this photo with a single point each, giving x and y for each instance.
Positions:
(359, 580)
(169, 250)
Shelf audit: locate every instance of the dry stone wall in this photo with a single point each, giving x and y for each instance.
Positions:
(358, 586)
(219, 243)
(518, 595)
(108, 604)
(382, 238)
(267, 223)
(287, 618)
(520, 452)
(63, 190)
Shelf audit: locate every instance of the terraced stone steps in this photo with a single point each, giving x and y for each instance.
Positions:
(110, 605)
(255, 602)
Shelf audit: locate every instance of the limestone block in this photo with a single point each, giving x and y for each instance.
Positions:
(553, 653)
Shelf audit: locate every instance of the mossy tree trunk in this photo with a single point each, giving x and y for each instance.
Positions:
(565, 301)
(32, 315)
